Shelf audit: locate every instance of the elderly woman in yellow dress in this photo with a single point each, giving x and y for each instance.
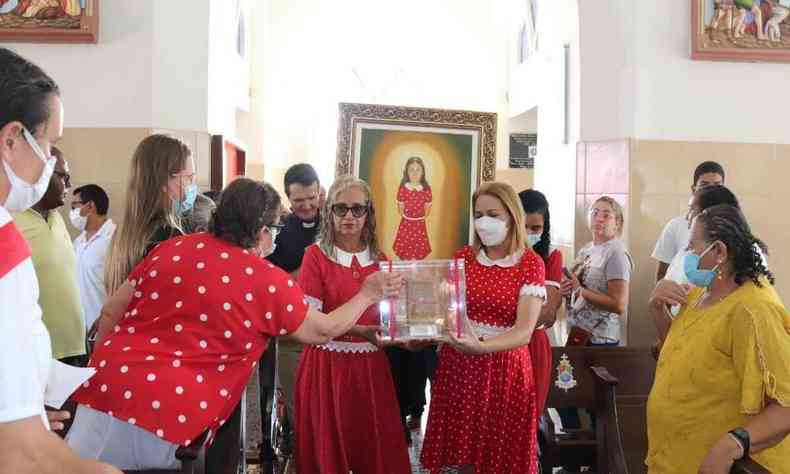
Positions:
(722, 386)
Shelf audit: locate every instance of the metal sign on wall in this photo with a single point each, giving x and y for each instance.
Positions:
(523, 150)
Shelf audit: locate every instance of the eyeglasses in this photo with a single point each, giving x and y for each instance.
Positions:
(64, 176)
(274, 229)
(189, 178)
(341, 210)
(597, 212)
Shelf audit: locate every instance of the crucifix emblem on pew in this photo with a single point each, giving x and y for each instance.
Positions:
(565, 380)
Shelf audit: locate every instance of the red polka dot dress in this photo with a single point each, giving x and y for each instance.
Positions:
(483, 409)
(347, 415)
(200, 318)
(411, 241)
(539, 345)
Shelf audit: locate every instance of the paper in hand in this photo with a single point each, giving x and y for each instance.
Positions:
(63, 381)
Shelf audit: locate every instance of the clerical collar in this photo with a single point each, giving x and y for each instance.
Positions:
(309, 225)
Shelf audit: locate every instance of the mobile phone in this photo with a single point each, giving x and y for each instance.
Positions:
(567, 273)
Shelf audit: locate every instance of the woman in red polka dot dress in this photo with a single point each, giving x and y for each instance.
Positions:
(483, 404)
(347, 415)
(179, 340)
(414, 205)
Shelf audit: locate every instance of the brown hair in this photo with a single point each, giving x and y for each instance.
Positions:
(148, 207)
(517, 233)
(245, 206)
(619, 215)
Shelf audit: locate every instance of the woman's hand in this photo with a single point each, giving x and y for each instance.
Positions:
(468, 344)
(721, 456)
(569, 285)
(667, 292)
(381, 284)
(56, 419)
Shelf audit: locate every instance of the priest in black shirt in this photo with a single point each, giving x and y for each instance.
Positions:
(300, 229)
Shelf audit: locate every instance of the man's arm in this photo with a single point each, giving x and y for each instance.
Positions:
(28, 448)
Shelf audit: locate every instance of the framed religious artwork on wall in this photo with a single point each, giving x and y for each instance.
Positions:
(740, 30)
(49, 21)
(422, 166)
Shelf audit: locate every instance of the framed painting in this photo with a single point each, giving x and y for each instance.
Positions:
(422, 166)
(740, 30)
(49, 21)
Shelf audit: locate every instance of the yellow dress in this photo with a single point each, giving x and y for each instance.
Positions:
(717, 366)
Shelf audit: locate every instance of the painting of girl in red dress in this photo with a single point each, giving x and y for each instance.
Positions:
(414, 205)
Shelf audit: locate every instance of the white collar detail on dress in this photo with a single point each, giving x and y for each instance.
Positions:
(345, 258)
(507, 262)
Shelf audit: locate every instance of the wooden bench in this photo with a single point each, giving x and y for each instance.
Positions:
(594, 378)
(614, 383)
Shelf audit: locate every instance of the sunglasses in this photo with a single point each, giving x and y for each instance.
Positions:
(341, 210)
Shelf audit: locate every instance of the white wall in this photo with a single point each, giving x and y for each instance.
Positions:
(180, 67)
(151, 67)
(107, 84)
(638, 81)
(442, 53)
(539, 83)
(607, 54)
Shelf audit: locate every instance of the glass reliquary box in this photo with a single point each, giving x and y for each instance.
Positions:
(431, 302)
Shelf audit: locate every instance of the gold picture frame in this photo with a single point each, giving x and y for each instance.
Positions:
(71, 21)
(729, 31)
(456, 151)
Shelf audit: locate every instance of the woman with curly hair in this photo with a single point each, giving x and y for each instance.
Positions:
(722, 385)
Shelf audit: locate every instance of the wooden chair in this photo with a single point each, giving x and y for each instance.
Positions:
(224, 456)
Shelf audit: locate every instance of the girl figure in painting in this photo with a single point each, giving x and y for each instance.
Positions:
(414, 205)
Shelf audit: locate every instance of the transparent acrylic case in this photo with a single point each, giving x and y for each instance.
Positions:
(431, 302)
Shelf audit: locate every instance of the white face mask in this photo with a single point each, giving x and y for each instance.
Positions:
(24, 195)
(78, 221)
(492, 231)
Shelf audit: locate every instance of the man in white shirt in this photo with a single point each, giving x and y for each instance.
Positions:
(31, 121)
(675, 236)
(89, 215)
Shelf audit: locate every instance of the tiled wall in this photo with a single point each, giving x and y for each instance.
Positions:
(653, 178)
(661, 175)
(602, 168)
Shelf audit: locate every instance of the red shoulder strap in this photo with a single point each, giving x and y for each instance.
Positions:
(14, 249)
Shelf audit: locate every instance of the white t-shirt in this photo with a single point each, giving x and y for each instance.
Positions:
(25, 350)
(91, 255)
(674, 238)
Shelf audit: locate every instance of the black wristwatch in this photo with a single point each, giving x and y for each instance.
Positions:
(742, 436)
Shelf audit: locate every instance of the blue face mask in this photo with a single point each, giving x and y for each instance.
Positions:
(190, 194)
(533, 239)
(696, 276)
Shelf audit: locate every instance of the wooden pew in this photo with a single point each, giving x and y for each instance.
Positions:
(613, 383)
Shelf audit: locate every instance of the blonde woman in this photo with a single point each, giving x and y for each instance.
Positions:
(347, 416)
(598, 286)
(161, 188)
(483, 412)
